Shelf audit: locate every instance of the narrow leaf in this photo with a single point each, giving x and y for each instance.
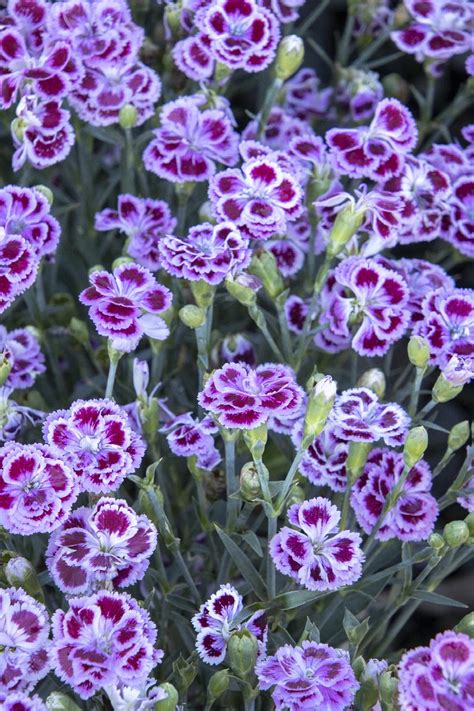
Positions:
(436, 599)
(249, 572)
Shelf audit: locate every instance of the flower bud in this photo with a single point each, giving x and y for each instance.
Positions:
(320, 403)
(458, 435)
(264, 266)
(96, 268)
(242, 651)
(345, 226)
(48, 194)
(203, 293)
(21, 574)
(173, 14)
(5, 367)
(256, 439)
(172, 698)
(415, 446)
(466, 625)
(18, 126)
(418, 351)
(456, 533)
(297, 495)
(436, 541)
(60, 702)
(121, 260)
(128, 116)
(206, 213)
(289, 57)
(443, 390)
(388, 688)
(244, 288)
(141, 377)
(356, 459)
(78, 330)
(192, 316)
(469, 521)
(373, 379)
(218, 685)
(249, 482)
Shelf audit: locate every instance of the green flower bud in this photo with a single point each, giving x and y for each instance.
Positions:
(172, 698)
(436, 541)
(218, 685)
(206, 213)
(289, 57)
(60, 702)
(458, 436)
(249, 482)
(96, 268)
(192, 316)
(203, 293)
(469, 521)
(456, 533)
(356, 459)
(78, 330)
(345, 226)
(418, 351)
(320, 404)
(256, 439)
(128, 116)
(243, 290)
(173, 13)
(415, 446)
(443, 390)
(297, 495)
(466, 625)
(18, 126)
(388, 688)
(374, 379)
(5, 368)
(21, 574)
(48, 194)
(242, 652)
(264, 266)
(122, 260)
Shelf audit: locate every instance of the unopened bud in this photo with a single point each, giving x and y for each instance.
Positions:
(357, 458)
(242, 650)
(415, 446)
(21, 574)
(203, 293)
(443, 390)
(436, 541)
(249, 482)
(206, 213)
(456, 533)
(96, 268)
(243, 288)
(466, 625)
(141, 377)
(374, 379)
(48, 194)
(418, 351)
(128, 116)
(18, 126)
(218, 685)
(264, 266)
(121, 260)
(458, 435)
(5, 367)
(320, 404)
(192, 316)
(289, 57)
(469, 521)
(57, 701)
(388, 688)
(345, 226)
(297, 495)
(173, 14)
(78, 330)
(172, 698)
(256, 439)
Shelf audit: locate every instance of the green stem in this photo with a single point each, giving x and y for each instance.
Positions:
(109, 389)
(318, 285)
(257, 316)
(313, 16)
(128, 174)
(270, 97)
(426, 409)
(287, 484)
(231, 483)
(174, 548)
(271, 571)
(202, 343)
(285, 331)
(415, 393)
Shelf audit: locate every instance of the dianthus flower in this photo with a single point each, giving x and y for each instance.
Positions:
(358, 92)
(313, 676)
(209, 253)
(238, 349)
(316, 553)
(448, 324)
(133, 698)
(462, 202)
(24, 632)
(96, 440)
(103, 639)
(324, 462)
(190, 142)
(376, 151)
(358, 416)
(280, 129)
(304, 98)
(37, 490)
(214, 624)
(124, 305)
(244, 398)
(368, 300)
(192, 56)
(22, 702)
(22, 350)
(438, 676)
(459, 370)
(296, 311)
(261, 198)
(439, 29)
(14, 417)
(109, 543)
(188, 437)
(285, 10)
(413, 516)
(144, 221)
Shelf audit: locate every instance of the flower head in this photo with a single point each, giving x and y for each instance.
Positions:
(237, 349)
(23, 353)
(22, 702)
(188, 437)
(15, 417)
(324, 462)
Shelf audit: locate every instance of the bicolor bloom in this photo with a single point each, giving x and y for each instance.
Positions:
(376, 151)
(304, 98)
(413, 516)
(124, 305)
(296, 311)
(24, 632)
(459, 370)
(260, 199)
(189, 437)
(448, 324)
(209, 253)
(193, 57)
(281, 127)
(107, 544)
(358, 92)
(14, 417)
(358, 416)
(94, 437)
(190, 142)
(22, 702)
(285, 10)
(324, 462)
(313, 676)
(214, 624)
(144, 221)
(315, 552)
(133, 698)
(237, 349)
(22, 351)
(244, 398)
(438, 676)
(103, 639)
(462, 202)
(37, 489)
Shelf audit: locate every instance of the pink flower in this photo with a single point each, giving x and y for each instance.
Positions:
(261, 198)
(193, 57)
(24, 631)
(238, 349)
(324, 462)
(459, 370)
(316, 553)
(103, 639)
(109, 543)
(415, 512)
(37, 490)
(190, 142)
(188, 437)
(22, 702)
(280, 129)
(376, 151)
(304, 98)
(124, 305)
(244, 398)
(144, 221)
(438, 676)
(25, 212)
(448, 324)
(96, 440)
(22, 350)
(214, 624)
(209, 253)
(358, 416)
(462, 235)
(285, 10)
(312, 676)
(368, 300)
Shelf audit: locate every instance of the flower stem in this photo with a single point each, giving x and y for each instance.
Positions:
(109, 389)
(415, 393)
(270, 97)
(287, 484)
(271, 572)
(231, 482)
